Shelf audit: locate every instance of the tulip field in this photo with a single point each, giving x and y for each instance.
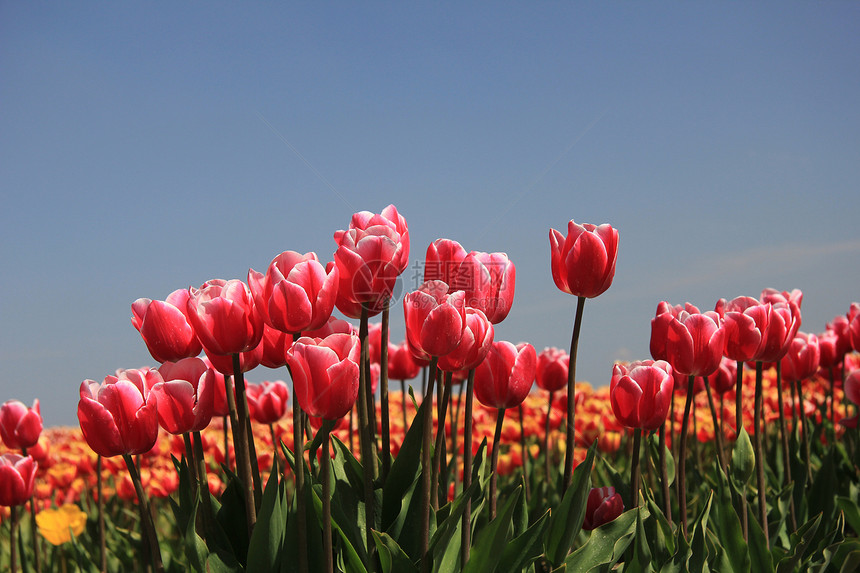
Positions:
(734, 447)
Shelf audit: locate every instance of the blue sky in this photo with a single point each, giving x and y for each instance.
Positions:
(146, 147)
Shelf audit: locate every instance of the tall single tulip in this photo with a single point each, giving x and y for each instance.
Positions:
(165, 327)
(552, 369)
(325, 374)
(119, 416)
(17, 479)
(186, 398)
(20, 426)
(434, 319)
(582, 264)
(640, 393)
(296, 294)
(489, 281)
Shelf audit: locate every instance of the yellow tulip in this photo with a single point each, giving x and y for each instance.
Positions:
(58, 525)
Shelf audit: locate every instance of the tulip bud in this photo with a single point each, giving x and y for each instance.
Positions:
(743, 458)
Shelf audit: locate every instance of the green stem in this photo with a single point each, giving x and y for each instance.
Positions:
(403, 404)
(571, 395)
(368, 450)
(440, 440)
(455, 431)
(739, 395)
(497, 437)
(682, 456)
(301, 509)
(759, 453)
(100, 509)
(804, 426)
(785, 451)
(205, 496)
(37, 557)
(426, 468)
(146, 522)
(240, 444)
(546, 429)
(466, 529)
(525, 454)
(664, 474)
(13, 539)
(383, 396)
(325, 470)
(718, 435)
(634, 468)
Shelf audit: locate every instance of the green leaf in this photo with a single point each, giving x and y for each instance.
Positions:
(681, 557)
(606, 544)
(743, 458)
(640, 561)
(760, 556)
(231, 516)
(799, 541)
(352, 562)
(524, 550)
(851, 511)
(658, 530)
(348, 507)
(220, 563)
(402, 477)
(728, 526)
(195, 547)
(267, 540)
(490, 540)
(654, 449)
(391, 556)
(566, 522)
(699, 548)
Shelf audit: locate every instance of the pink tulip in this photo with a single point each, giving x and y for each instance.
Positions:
(325, 374)
(640, 393)
(489, 281)
(370, 256)
(17, 478)
(165, 327)
(726, 376)
(745, 320)
(603, 506)
(660, 326)
(20, 426)
(332, 326)
(268, 401)
(401, 363)
(474, 344)
(583, 262)
(504, 378)
(119, 416)
(224, 317)
(434, 319)
(296, 294)
(694, 343)
(552, 369)
(249, 360)
(442, 261)
(802, 359)
(782, 324)
(186, 398)
(273, 347)
(854, 326)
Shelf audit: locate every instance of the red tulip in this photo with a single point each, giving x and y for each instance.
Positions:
(489, 281)
(782, 324)
(220, 406)
(119, 416)
(333, 326)
(296, 294)
(325, 374)
(640, 393)
(370, 256)
(773, 296)
(442, 262)
(802, 359)
(726, 376)
(224, 317)
(249, 360)
(583, 263)
(828, 345)
(852, 393)
(474, 344)
(273, 347)
(603, 506)
(401, 364)
(842, 329)
(268, 401)
(165, 327)
(660, 326)
(745, 320)
(20, 426)
(374, 342)
(552, 369)
(17, 478)
(504, 378)
(694, 343)
(186, 398)
(854, 325)
(434, 319)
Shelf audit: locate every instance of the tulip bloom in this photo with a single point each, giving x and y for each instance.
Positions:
(782, 324)
(852, 393)
(249, 360)
(20, 426)
(488, 279)
(325, 374)
(119, 416)
(694, 343)
(474, 344)
(186, 398)
(401, 364)
(801, 360)
(603, 506)
(268, 401)
(442, 261)
(59, 525)
(434, 319)
(296, 294)
(224, 317)
(745, 320)
(640, 393)
(165, 327)
(504, 378)
(370, 256)
(273, 347)
(660, 326)
(17, 478)
(583, 262)
(552, 369)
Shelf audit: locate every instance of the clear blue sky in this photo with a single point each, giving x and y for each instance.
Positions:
(146, 147)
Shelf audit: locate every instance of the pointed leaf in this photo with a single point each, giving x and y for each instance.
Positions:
(606, 544)
(391, 556)
(566, 522)
(491, 539)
